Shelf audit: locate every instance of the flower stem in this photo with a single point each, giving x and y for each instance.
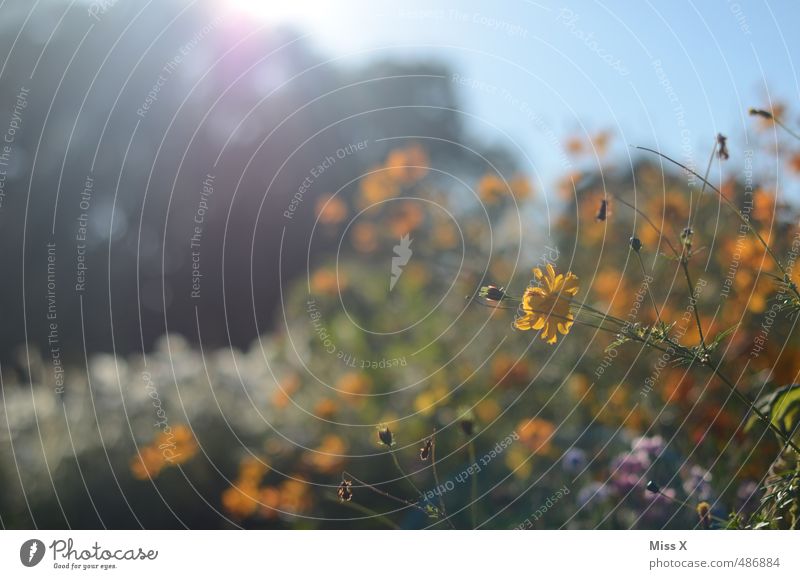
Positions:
(685, 267)
(649, 292)
(403, 473)
(785, 128)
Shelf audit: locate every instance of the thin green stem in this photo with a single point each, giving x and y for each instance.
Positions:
(785, 128)
(650, 293)
(685, 267)
(708, 169)
(616, 332)
(403, 473)
(695, 208)
(580, 306)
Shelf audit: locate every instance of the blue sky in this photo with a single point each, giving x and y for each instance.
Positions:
(664, 74)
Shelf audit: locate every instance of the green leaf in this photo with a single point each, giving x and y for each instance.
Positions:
(721, 336)
(782, 407)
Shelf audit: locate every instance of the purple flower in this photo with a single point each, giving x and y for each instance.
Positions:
(625, 483)
(634, 462)
(697, 484)
(574, 460)
(653, 446)
(594, 491)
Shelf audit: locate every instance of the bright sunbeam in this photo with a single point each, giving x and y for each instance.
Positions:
(296, 11)
(325, 21)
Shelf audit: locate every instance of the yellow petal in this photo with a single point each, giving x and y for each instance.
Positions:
(523, 323)
(564, 327)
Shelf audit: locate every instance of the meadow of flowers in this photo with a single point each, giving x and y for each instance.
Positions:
(474, 353)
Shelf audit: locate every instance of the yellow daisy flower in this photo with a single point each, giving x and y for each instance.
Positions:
(545, 306)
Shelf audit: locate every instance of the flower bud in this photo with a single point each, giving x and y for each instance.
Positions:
(425, 451)
(761, 113)
(385, 436)
(467, 425)
(345, 491)
(704, 512)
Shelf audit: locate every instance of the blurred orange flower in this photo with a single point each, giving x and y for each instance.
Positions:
(170, 447)
(242, 498)
(365, 237)
(491, 188)
(406, 218)
(325, 281)
(283, 394)
(794, 162)
(521, 187)
(377, 186)
(445, 236)
(295, 496)
(536, 434)
(325, 408)
(407, 165)
(508, 371)
(326, 458)
(487, 410)
(240, 501)
(764, 203)
(148, 463)
(352, 386)
(331, 210)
